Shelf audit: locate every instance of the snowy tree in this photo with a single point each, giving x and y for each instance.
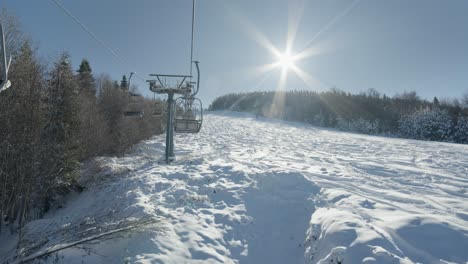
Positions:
(359, 125)
(425, 124)
(319, 119)
(461, 130)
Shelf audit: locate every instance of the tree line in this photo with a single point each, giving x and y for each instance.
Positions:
(52, 118)
(405, 115)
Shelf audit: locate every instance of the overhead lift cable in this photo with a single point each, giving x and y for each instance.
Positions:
(112, 52)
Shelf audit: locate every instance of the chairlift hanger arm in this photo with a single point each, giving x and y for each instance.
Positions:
(5, 83)
(198, 78)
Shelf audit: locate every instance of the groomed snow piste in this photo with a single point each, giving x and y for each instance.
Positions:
(248, 190)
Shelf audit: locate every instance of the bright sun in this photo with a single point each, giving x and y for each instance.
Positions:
(286, 60)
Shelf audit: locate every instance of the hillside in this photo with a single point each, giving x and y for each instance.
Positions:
(257, 190)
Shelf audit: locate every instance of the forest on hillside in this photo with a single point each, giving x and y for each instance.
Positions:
(404, 115)
(52, 118)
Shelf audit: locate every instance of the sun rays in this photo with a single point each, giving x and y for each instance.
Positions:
(288, 61)
(285, 61)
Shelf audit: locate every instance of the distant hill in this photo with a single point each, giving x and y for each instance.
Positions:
(405, 115)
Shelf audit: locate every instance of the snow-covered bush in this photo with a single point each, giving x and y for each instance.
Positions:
(461, 130)
(359, 125)
(434, 124)
(318, 120)
(342, 124)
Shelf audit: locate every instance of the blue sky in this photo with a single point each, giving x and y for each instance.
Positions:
(392, 46)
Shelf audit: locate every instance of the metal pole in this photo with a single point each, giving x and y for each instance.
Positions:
(3, 47)
(128, 83)
(169, 129)
(171, 150)
(171, 145)
(191, 43)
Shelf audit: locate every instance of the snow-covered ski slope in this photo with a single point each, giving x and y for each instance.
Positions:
(248, 190)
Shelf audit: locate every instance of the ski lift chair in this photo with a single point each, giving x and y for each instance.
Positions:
(158, 109)
(189, 115)
(134, 106)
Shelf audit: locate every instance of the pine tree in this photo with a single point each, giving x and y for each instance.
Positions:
(124, 83)
(92, 127)
(86, 80)
(60, 135)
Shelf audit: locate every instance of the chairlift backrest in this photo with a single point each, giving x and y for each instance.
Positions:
(134, 106)
(189, 116)
(158, 109)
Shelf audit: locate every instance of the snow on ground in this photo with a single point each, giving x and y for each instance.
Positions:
(247, 190)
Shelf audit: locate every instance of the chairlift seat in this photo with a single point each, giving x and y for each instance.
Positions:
(182, 125)
(131, 94)
(4, 85)
(133, 113)
(158, 109)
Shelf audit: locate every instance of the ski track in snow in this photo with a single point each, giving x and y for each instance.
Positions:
(247, 190)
